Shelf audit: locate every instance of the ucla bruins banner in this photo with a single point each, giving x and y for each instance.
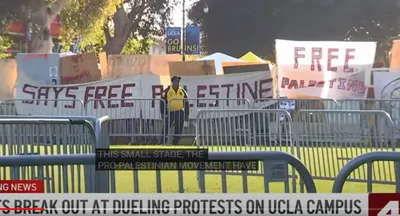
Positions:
(173, 42)
(192, 40)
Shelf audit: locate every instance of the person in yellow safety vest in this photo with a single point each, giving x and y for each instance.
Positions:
(175, 109)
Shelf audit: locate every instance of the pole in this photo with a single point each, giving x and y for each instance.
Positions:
(183, 30)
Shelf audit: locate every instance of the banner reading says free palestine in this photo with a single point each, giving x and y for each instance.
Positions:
(326, 69)
(173, 40)
(132, 97)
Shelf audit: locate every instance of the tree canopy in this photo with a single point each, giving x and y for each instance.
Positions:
(108, 23)
(235, 27)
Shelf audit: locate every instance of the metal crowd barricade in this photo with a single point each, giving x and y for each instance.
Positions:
(136, 121)
(182, 130)
(390, 106)
(366, 159)
(294, 104)
(328, 139)
(51, 135)
(56, 107)
(92, 182)
(73, 168)
(238, 130)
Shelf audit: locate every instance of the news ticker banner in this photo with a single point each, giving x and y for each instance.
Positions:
(192, 40)
(201, 204)
(166, 159)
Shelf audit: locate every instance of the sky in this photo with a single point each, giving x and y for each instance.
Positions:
(177, 12)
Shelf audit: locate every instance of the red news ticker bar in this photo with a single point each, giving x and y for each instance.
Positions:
(21, 186)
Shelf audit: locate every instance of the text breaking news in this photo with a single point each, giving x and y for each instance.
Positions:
(189, 204)
(166, 159)
(21, 186)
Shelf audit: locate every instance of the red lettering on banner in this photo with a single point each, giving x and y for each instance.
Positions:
(252, 93)
(28, 90)
(101, 91)
(228, 91)
(320, 84)
(341, 83)
(43, 94)
(72, 96)
(331, 56)
(298, 55)
(112, 95)
(88, 94)
(57, 92)
(317, 54)
(216, 94)
(126, 94)
(348, 57)
(201, 95)
(52, 95)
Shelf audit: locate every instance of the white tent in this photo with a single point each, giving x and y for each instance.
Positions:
(218, 59)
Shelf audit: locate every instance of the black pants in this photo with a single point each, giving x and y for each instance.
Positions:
(178, 118)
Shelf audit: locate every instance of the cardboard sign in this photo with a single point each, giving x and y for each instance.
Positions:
(8, 71)
(131, 65)
(79, 68)
(192, 68)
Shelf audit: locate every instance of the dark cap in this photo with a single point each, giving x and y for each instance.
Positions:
(175, 78)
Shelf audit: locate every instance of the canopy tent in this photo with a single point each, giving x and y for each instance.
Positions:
(251, 57)
(219, 58)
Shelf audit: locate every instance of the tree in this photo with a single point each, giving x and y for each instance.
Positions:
(37, 16)
(135, 19)
(5, 44)
(110, 21)
(236, 27)
(134, 46)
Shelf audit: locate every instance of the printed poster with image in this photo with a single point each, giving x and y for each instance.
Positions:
(387, 88)
(324, 69)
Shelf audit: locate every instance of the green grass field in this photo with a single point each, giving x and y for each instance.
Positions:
(322, 161)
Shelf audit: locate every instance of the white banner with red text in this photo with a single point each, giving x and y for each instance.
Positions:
(138, 96)
(200, 204)
(324, 69)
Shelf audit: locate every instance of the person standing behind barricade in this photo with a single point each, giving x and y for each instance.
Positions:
(175, 109)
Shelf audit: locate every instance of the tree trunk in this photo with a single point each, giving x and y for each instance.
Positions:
(122, 29)
(41, 40)
(115, 45)
(123, 26)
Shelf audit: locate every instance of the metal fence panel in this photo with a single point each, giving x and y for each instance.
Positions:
(133, 121)
(181, 126)
(392, 107)
(292, 105)
(328, 139)
(367, 159)
(184, 180)
(23, 136)
(56, 107)
(238, 130)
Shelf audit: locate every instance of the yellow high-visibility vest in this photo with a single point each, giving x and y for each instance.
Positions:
(175, 99)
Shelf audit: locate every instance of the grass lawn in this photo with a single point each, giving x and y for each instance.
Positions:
(322, 161)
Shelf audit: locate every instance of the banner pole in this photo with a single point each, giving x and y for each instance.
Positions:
(183, 30)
